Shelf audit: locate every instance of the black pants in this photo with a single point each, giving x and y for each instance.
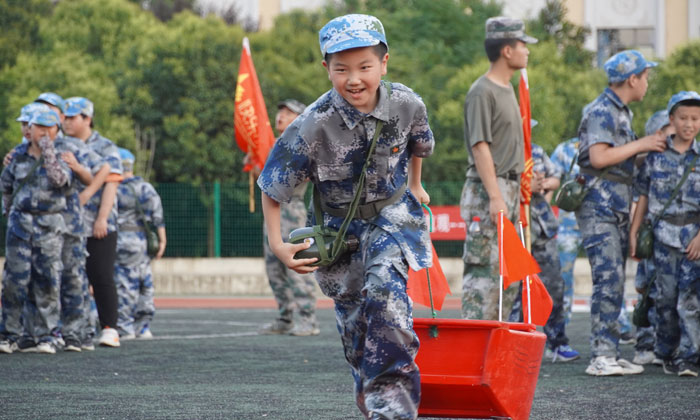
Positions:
(100, 273)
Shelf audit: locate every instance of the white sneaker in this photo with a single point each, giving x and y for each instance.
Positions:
(6, 347)
(109, 337)
(46, 348)
(127, 337)
(630, 368)
(604, 366)
(643, 357)
(146, 334)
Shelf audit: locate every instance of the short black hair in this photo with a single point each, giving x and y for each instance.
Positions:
(493, 47)
(687, 102)
(380, 50)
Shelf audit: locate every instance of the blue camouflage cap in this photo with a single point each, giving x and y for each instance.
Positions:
(501, 27)
(624, 64)
(683, 96)
(52, 99)
(656, 122)
(351, 31)
(25, 115)
(77, 105)
(533, 123)
(46, 117)
(125, 154)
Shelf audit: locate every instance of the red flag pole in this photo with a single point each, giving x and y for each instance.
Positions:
(527, 280)
(526, 177)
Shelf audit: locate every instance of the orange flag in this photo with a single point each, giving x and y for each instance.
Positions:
(525, 114)
(417, 285)
(252, 126)
(541, 302)
(515, 262)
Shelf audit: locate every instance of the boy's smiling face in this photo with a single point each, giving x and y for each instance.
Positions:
(686, 121)
(356, 74)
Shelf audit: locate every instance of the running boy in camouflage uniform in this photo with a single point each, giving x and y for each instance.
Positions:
(676, 237)
(34, 187)
(607, 140)
(328, 145)
(292, 291)
(494, 137)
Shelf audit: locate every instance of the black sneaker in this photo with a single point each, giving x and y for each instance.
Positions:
(72, 344)
(687, 369)
(26, 345)
(627, 338)
(670, 368)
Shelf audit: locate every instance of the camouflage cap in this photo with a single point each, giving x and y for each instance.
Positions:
(351, 31)
(624, 64)
(125, 154)
(25, 115)
(52, 99)
(656, 122)
(77, 106)
(47, 118)
(293, 105)
(501, 27)
(692, 97)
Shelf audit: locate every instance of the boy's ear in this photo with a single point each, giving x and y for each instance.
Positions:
(384, 63)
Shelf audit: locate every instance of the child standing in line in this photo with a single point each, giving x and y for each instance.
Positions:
(676, 236)
(328, 144)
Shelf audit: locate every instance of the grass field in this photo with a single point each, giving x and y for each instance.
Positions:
(211, 364)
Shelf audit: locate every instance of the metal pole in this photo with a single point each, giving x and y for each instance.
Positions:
(217, 219)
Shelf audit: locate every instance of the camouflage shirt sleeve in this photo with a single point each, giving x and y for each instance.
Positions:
(153, 206)
(57, 174)
(641, 186)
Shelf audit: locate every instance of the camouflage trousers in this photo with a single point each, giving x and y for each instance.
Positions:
(544, 250)
(374, 318)
(480, 283)
(133, 278)
(73, 283)
(646, 336)
(30, 283)
(677, 305)
(605, 238)
(568, 242)
(292, 291)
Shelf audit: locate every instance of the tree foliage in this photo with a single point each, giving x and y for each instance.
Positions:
(172, 75)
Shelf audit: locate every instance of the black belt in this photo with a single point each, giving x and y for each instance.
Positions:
(130, 228)
(682, 220)
(510, 176)
(366, 211)
(627, 180)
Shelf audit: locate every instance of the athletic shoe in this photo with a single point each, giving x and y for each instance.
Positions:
(687, 369)
(87, 344)
(276, 328)
(644, 357)
(6, 346)
(305, 329)
(26, 345)
(670, 368)
(604, 366)
(145, 334)
(46, 347)
(564, 353)
(628, 338)
(629, 368)
(72, 345)
(657, 362)
(127, 337)
(109, 337)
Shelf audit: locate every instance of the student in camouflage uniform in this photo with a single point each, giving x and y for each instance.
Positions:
(543, 228)
(100, 216)
(644, 347)
(676, 237)
(291, 289)
(328, 145)
(132, 271)
(494, 138)
(34, 187)
(607, 140)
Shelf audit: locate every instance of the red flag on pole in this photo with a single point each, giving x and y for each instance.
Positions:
(417, 285)
(251, 124)
(540, 301)
(516, 263)
(525, 114)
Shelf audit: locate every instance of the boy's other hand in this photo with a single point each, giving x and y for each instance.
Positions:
(495, 207)
(8, 158)
(70, 160)
(693, 249)
(655, 142)
(421, 195)
(285, 252)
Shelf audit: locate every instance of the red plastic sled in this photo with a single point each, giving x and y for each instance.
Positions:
(478, 369)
